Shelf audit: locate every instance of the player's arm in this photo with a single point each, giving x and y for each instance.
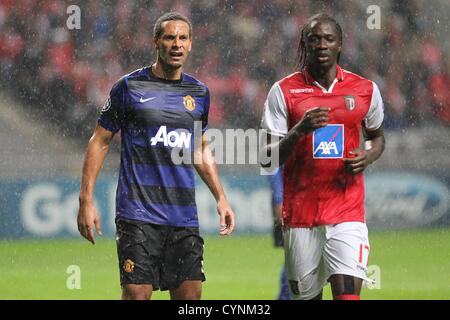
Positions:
(97, 149)
(206, 167)
(374, 147)
(312, 120)
(373, 131)
(276, 186)
(280, 141)
(277, 214)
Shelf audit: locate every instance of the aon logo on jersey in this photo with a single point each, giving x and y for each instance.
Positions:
(180, 138)
(328, 142)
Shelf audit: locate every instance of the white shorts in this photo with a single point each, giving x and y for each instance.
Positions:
(314, 254)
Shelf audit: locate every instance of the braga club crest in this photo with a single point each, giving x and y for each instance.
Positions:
(350, 102)
(189, 103)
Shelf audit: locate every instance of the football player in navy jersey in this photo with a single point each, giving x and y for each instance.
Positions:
(276, 188)
(156, 109)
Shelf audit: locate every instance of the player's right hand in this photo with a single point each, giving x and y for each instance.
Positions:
(313, 119)
(88, 218)
(226, 218)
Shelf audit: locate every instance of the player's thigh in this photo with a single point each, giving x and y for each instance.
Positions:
(139, 249)
(183, 259)
(304, 264)
(187, 290)
(347, 249)
(137, 291)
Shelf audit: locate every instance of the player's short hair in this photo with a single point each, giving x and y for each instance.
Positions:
(170, 16)
(320, 17)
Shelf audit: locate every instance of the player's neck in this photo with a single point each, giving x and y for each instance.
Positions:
(324, 76)
(166, 72)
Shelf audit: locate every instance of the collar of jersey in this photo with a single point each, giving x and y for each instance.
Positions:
(151, 75)
(310, 80)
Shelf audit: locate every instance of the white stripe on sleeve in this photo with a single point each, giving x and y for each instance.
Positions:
(375, 115)
(274, 119)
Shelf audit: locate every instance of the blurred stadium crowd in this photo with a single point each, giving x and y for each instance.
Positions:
(240, 49)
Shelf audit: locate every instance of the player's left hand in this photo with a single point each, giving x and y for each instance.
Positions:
(357, 162)
(226, 217)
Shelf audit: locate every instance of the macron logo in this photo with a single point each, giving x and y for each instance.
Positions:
(303, 90)
(177, 139)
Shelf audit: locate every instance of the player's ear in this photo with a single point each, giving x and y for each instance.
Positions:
(339, 48)
(155, 42)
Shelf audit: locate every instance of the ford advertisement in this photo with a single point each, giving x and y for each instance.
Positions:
(48, 207)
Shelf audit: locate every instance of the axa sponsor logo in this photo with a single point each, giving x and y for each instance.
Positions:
(302, 90)
(177, 138)
(328, 142)
(327, 148)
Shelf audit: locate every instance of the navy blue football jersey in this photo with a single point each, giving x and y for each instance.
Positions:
(156, 116)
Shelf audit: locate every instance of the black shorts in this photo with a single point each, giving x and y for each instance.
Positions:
(163, 256)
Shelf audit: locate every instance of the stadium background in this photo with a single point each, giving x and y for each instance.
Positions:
(53, 81)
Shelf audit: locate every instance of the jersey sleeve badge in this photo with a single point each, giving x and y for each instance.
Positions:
(107, 105)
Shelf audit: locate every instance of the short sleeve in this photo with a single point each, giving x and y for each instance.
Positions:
(375, 115)
(205, 112)
(274, 119)
(112, 113)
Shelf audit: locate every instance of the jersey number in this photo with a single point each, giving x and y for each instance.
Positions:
(363, 254)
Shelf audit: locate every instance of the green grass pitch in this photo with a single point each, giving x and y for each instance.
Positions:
(414, 265)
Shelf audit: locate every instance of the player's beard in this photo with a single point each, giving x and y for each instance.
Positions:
(170, 64)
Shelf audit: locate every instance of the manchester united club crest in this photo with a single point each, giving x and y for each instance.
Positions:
(350, 102)
(128, 266)
(189, 103)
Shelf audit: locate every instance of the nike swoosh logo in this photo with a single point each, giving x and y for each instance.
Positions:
(148, 99)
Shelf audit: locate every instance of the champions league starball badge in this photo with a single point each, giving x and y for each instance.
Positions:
(107, 105)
